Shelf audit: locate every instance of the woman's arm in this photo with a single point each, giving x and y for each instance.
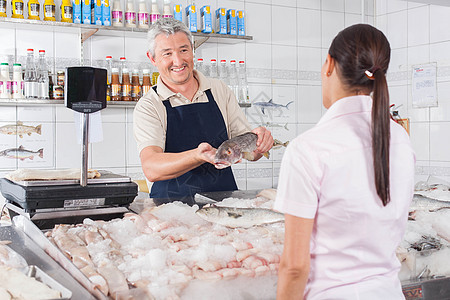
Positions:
(294, 265)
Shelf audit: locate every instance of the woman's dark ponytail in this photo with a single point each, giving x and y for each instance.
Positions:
(381, 135)
(362, 55)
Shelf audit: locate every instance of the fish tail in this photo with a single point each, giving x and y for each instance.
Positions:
(267, 154)
(286, 126)
(287, 105)
(286, 143)
(38, 129)
(41, 153)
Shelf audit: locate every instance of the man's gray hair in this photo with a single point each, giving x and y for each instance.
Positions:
(165, 26)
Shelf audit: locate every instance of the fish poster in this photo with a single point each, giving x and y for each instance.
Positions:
(26, 145)
(277, 105)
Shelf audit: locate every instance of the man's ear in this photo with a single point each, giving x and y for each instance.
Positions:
(151, 58)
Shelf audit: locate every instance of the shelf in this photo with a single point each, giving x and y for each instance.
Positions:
(35, 102)
(88, 30)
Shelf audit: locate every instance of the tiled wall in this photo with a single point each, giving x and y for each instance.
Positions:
(419, 35)
(290, 41)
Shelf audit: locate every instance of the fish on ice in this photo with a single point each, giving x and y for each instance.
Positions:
(270, 105)
(20, 129)
(234, 217)
(22, 153)
(234, 149)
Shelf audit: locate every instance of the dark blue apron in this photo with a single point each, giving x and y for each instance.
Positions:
(187, 127)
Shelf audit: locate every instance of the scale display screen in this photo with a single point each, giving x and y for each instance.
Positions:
(85, 89)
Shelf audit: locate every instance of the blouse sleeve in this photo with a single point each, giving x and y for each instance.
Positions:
(299, 181)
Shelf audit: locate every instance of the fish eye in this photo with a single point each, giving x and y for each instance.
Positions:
(228, 151)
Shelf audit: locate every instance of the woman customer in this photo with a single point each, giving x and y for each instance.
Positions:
(345, 185)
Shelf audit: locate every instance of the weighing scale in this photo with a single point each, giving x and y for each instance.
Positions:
(50, 202)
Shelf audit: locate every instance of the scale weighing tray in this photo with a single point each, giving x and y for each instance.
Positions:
(108, 190)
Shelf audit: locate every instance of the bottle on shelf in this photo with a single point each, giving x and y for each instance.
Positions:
(155, 76)
(166, 10)
(49, 10)
(17, 9)
(143, 15)
(117, 14)
(66, 11)
(154, 14)
(17, 82)
(115, 85)
(3, 8)
(126, 85)
(223, 72)
(31, 89)
(34, 8)
(199, 66)
(108, 76)
(233, 78)
(5, 81)
(146, 81)
(213, 69)
(243, 85)
(122, 66)
(136, 90)
(43, 81)
(130, 15)
(50, 85)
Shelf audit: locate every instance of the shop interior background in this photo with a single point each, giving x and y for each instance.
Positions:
(290, 41)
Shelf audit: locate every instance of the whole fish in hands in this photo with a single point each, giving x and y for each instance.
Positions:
(233, 150)
(234, 217)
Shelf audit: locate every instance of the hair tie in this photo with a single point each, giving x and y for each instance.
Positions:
(371, 72)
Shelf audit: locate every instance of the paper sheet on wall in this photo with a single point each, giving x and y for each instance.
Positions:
(424, 86)
(95, 128)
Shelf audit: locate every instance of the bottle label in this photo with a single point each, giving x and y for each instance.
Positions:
(130, 18)
(68, 12)
(15, 88)
(143, 19)
(34, 10)
(1, 90)
(115, 90)
(117, 17)
(2, 6)
(145, 89)
(136, 91)
(8, 87)
(154, 17)
(18, 8)
(31, 89)
(49, 11)
(126, 90)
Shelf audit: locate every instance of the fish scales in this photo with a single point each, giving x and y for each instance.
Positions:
(232, 150)
(239, 217)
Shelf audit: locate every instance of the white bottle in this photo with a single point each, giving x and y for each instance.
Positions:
(143, 15)
(130, 15)
(117, 14)
(166, 10)
(223, 72)
(199, 65)
(233, 78)
(30, 78)
(43, 81)
(154, 14)
(213, 69)
(17, 82)
(5, 81)
(243, 85)
(122, 66)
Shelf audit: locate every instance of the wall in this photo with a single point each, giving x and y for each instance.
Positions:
(419, 35)
(290, 41)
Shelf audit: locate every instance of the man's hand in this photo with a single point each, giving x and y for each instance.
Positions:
(265, 140)
(206, 152)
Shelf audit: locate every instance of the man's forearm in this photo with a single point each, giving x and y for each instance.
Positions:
(163, 166)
